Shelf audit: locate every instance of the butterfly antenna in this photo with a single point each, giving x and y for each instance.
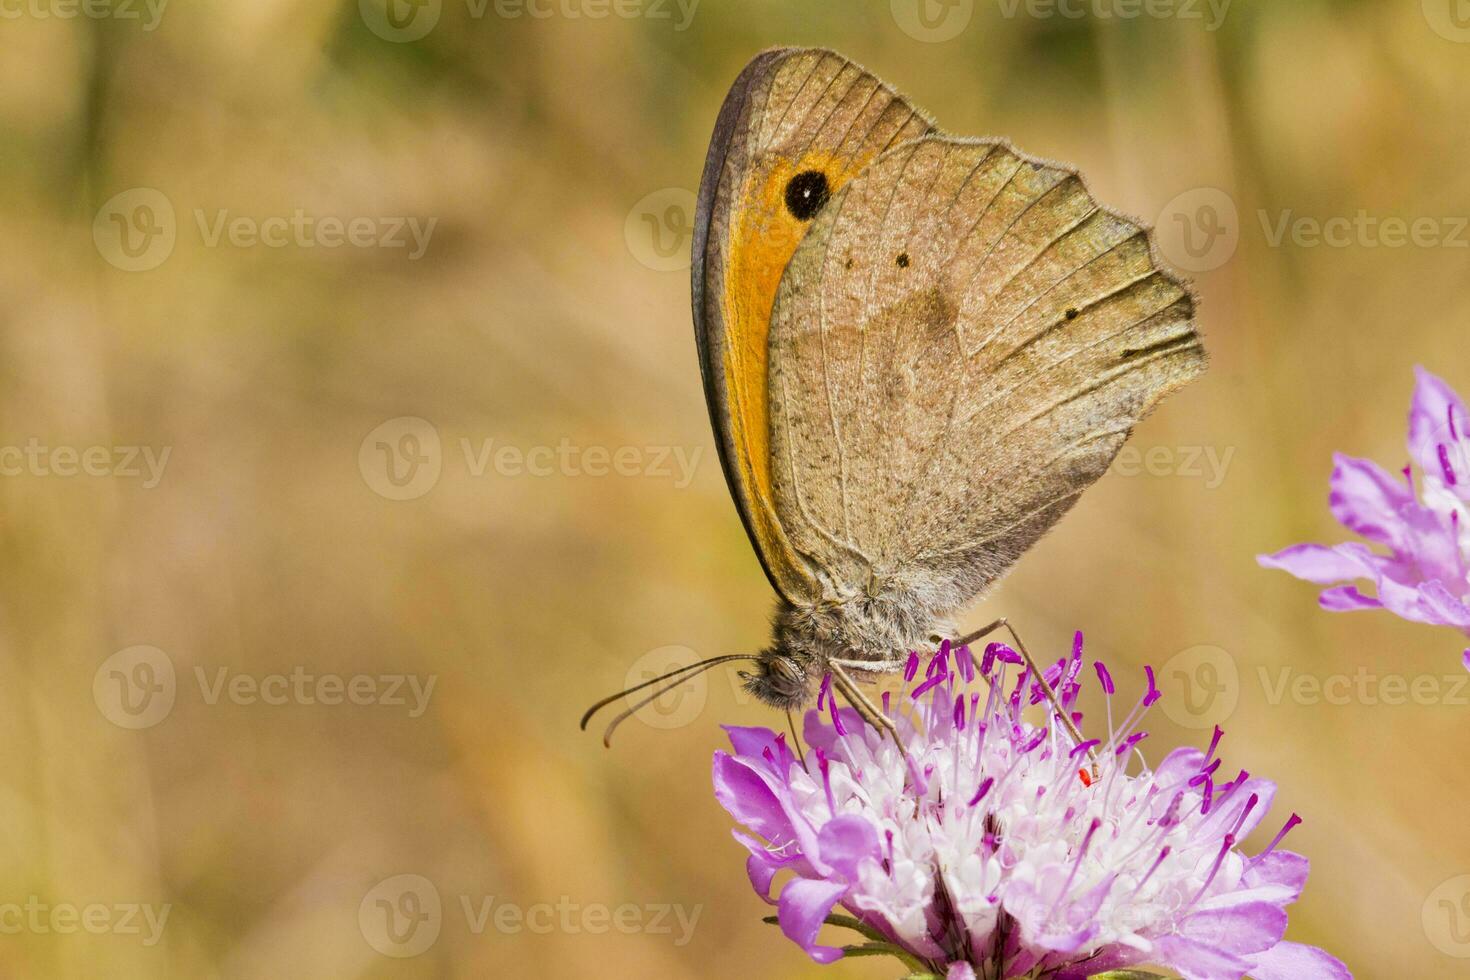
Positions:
(698, 668)
(678, 672)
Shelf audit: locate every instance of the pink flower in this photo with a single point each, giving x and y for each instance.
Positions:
(1425, 574)
(997, 848)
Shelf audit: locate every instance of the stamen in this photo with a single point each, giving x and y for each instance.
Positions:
(824, 691)
(911, 668)
(1104, 677)
(985, 785)
(836, 715)
(1086, 746)
(1444, 464)
(1214, 743)
(1291, 822)
(1153, 688)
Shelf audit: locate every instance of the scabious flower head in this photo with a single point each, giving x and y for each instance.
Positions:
(998, 847)
(1425, 574)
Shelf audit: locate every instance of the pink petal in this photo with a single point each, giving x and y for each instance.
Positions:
(805, 905)
(1346, 598)
(747, 798)
(845, 842)
(1240, 930)
(1429, 420)
(1293, 961)
(1198, 961)
(1316, 563)
(1368, 500)
(1281, 870)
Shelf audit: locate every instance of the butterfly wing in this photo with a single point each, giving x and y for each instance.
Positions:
(959, 347)
(791, 112)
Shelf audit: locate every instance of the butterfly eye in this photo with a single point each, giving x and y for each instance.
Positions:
(806, 193)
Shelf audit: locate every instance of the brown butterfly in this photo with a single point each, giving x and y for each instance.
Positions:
(918, 351)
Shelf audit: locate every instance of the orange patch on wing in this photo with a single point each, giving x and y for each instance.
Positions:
(764, 235)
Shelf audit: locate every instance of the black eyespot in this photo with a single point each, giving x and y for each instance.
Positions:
(1072, 314)
(903, 260)
(806, 194)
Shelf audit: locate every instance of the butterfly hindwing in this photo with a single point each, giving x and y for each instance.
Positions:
(959, 347)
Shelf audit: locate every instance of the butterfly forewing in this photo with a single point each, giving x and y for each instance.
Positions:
(801, 115)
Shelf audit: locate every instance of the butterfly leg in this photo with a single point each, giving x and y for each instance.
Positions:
(1051, 696)
(864, 705)
(795, 739)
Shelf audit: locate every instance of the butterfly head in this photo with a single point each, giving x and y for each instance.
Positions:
(780, 679)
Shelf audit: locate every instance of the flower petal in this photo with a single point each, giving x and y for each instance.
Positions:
(1346, 598)
(1293, 961)
(1315, 563)
(1240, 930)
(1198, 961)
(1366, 499)
(845, 842)
(1429, 420)
(747, 798)
(804, 907)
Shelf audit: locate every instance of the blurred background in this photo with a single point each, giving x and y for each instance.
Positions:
(352, 442)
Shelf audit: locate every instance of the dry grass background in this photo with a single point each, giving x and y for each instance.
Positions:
(529, 320)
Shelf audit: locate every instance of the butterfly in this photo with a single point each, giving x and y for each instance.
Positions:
(918, 350)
